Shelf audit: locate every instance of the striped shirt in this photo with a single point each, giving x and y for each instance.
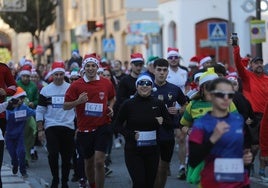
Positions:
(198, 108)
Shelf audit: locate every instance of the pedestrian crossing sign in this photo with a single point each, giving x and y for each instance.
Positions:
(108, 45)
(217, 31)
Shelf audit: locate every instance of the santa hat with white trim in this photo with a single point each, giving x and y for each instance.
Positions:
(194, 61)
(19, 93)
(205, 59)
(93, 58)
(207, 76)
(144, 77)
(25, 70)
(58, 66)
(136, 57)
(172, 52)
(232, 77)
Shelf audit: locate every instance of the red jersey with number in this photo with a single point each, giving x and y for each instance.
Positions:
(93, 113)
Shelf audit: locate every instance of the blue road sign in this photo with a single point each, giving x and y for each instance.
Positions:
(108, 45)
(217, 31)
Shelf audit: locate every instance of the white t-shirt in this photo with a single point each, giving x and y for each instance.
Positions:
(178, 78)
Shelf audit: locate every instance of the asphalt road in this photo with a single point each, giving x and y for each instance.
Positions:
(39, 172)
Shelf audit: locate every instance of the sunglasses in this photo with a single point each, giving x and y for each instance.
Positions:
(222, 95)
(173, 57)
(144, 83)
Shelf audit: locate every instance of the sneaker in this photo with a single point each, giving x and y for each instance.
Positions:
(14, 170)
(82, 183)
(108, 171)
(24, 175)
(182, 174)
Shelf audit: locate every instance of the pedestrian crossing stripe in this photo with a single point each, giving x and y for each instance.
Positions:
(217, 31)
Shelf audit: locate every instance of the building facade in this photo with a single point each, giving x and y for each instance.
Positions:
(149, 30)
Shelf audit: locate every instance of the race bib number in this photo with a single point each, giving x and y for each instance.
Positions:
(146, 138)
(93, 109)
(229, 169)
(20, 115)
(57, 101)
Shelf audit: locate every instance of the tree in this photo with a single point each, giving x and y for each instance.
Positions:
(39, 15)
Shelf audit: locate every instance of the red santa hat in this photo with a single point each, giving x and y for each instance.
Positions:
(232, 77)
(205, 59)
(58, 66)
(172, 52)
(136, 57)
(194, 61)
(93, 58)
(25, 70)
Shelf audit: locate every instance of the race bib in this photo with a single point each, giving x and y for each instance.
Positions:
(146, 138)
(93, 109)
(20, 115)
(57, 101)
(229, 169)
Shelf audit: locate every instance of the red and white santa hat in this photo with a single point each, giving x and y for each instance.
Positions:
(172, 52)
(194, 61)
(136, 57)
(25, 70)
(232, 77)
(205, 59)
(58, 66)
(93, 58)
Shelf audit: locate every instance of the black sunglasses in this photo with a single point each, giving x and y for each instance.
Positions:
(144, 83)
(222, 95)
(173, 57)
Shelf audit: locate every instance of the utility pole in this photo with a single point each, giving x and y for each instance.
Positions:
(258, 17)
(230, 30)
(104, 23)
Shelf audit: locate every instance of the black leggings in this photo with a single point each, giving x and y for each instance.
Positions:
(142, 167)
(60, 140)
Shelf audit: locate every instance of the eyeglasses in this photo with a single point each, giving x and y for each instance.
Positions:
(106, 75)
(223, 95)
(145, 83)
(173, 57)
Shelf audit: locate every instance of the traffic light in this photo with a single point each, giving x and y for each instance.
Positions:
(91, 26)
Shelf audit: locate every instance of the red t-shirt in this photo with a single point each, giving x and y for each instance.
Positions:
(93, 113)
(255, 87)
